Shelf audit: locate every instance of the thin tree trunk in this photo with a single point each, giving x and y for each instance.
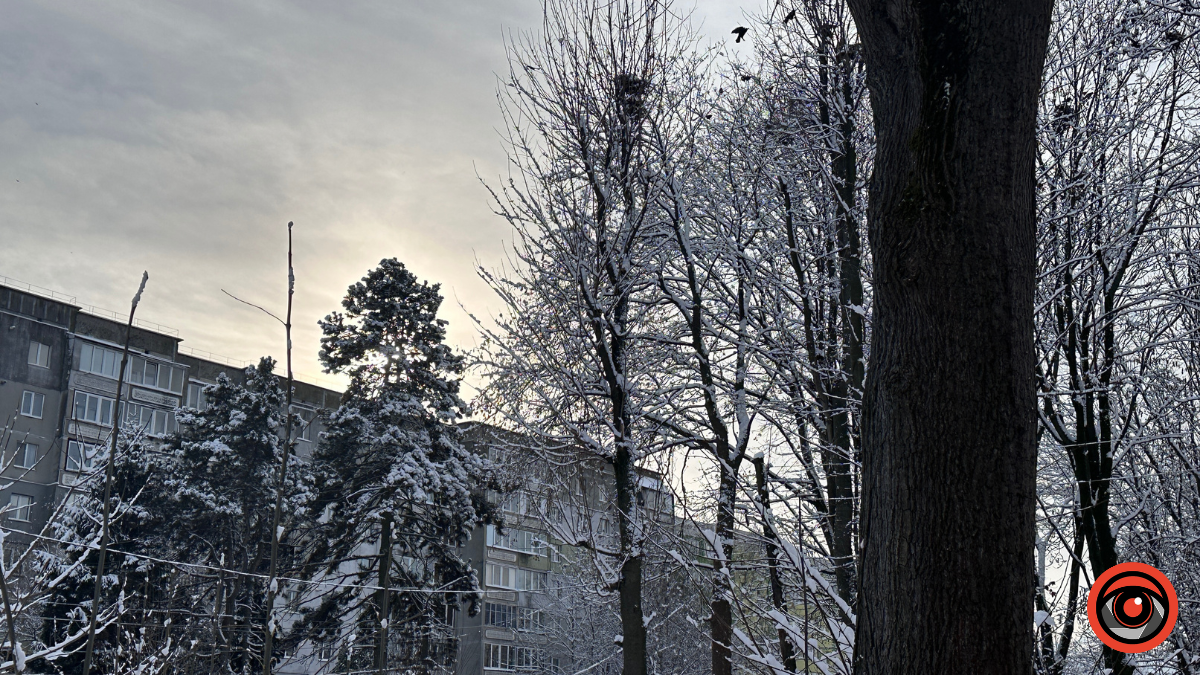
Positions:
(949, 426)
(629, 588)
(787, 652)
(281, 481)
(385, 571)
(848, 387)
(8, 614)
(722, 600)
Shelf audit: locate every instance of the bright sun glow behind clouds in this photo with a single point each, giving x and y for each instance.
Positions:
(181, 137)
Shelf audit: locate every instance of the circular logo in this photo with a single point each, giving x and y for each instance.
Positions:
(1132, 607)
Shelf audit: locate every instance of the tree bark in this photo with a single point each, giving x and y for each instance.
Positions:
(949, 422)
(384, 593)
(787, 653)
(629, 588)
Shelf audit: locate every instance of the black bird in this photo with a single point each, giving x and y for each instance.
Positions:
(740, 32)
(747, 78)
(790, 15)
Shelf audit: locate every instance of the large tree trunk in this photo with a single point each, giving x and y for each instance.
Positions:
(949, 420)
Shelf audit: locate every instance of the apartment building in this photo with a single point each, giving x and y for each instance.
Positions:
(58, 387)
(530, 571)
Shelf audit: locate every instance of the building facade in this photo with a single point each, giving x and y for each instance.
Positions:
(540, 611)
(58, 391)
(58, 388)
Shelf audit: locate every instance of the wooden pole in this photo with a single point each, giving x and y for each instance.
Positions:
(108, 480)
(269, 626)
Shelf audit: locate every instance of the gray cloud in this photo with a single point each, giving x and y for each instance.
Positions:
(181, 137)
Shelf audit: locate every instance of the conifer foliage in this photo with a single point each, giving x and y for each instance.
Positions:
(205, 495)
(392, 473)
(223, 480)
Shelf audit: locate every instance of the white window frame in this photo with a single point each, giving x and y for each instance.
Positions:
(33, 404)
(87, 399)
(139, 365)
(195, 398)
(515, 539)
(501, 576)
(27, 456)
(18, 508)
(529, 620)
(154, 421)
(39, 354)
(99, 360)
(498, 656)
(307, 416)
(86, 453)
(494, 610)
(531, 580)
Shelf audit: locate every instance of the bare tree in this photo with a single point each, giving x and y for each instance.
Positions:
(1116, 174)
(571, 359)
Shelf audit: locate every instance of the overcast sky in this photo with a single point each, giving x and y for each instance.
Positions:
(181, 137)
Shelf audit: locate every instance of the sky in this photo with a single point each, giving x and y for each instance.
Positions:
(181, 137)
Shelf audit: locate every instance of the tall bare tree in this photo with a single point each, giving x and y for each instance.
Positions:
(570, 361)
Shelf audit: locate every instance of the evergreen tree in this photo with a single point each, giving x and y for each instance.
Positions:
(136, 586)
(222, 482)
(203, 496)
(397, 490)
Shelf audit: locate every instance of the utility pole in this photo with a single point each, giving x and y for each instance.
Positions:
(108, 480)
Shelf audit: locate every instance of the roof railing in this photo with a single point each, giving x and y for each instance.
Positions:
(36, 290)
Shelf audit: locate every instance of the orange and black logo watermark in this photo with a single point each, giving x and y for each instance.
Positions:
(1132, 607)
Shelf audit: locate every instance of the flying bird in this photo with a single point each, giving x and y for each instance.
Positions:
(790, 15)
(740, 32)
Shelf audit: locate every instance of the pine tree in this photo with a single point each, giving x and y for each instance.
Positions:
(222, 482)
(136, 588)
(204, 497)
(392, 473)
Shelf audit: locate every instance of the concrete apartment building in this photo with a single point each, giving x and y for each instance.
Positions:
(523, 623)
(58, 385)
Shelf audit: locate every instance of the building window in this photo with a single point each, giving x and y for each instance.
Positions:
(26, 455)
(32, 404)
(529, 619)
(505, 576)
(99, 360)
(304, 424)
(19, 507)
(81, 457)
(528, 580)
(501, 576)
(325, 651)
(512, 657)
(515, 502)
(104, 361)
(92, 408)
(502, 616)
(157, 375)
(528, 658)
(195, 396)
(39, 354)
(498, 657)
(518, 540)
(149, 420)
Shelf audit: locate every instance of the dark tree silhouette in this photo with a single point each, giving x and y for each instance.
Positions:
(949, 425)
